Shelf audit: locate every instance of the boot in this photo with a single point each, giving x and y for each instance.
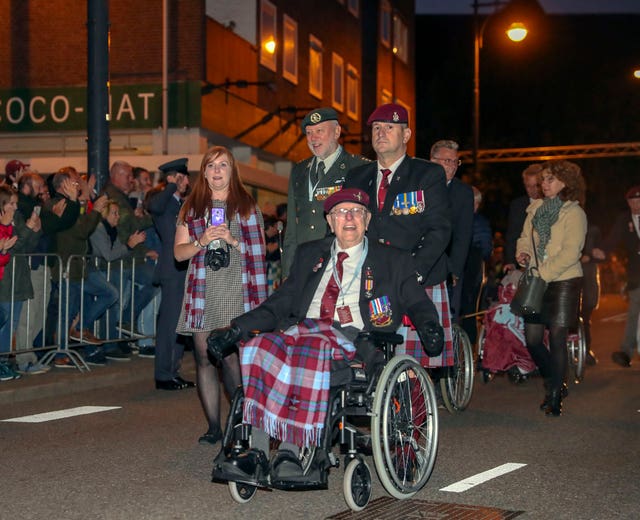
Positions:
(564, 392)
(555, 403)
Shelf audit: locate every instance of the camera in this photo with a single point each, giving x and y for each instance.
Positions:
(217, 258)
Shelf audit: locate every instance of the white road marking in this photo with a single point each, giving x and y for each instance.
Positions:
(480, 478)
(61, 414)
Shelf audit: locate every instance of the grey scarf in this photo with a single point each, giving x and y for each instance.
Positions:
(545, 217)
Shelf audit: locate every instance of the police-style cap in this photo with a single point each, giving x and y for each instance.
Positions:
(389, 113)
(346, 195)
(633, 193)
(320, 115)
(13, 167)
(177, 166)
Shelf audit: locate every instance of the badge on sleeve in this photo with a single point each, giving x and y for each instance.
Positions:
(380, 311)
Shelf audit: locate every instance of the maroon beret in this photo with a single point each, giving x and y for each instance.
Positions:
(346, 195)
(389, 113)
(633, 193)
(13, 167)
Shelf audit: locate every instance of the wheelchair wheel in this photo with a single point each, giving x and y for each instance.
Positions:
(577, 352)
(357, 484)
(404, 427)
(242, 493)
(457, 385)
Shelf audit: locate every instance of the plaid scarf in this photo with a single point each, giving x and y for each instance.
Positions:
(254, 271)
(286, 379)
(413, 346)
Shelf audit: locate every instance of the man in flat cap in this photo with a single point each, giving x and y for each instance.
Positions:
(164, 204)
(625, 233)
(409, 208)
(346, 284)
(313, 180)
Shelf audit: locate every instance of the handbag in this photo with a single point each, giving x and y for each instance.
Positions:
(531, 287)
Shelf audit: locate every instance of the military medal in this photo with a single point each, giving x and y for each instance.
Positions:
(318, 266)
(380, 311)
(324, 193)
(368, 282)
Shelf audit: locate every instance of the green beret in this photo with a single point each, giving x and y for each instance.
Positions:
(319, 115)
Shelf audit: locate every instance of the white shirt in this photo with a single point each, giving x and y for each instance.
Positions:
(351, 298)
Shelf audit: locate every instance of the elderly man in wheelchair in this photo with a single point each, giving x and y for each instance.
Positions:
(340, 293)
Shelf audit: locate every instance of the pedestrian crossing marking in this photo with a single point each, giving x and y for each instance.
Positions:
(61, 414)
(480, 478)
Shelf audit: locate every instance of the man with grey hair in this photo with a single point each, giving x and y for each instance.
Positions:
(445, 153)
(313, 180)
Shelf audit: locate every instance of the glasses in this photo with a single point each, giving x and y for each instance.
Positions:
(355, 212)
(452, 162)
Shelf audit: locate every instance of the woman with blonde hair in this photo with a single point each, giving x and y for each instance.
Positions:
(220, 231)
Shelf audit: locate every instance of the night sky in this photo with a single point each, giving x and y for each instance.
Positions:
(569, 83)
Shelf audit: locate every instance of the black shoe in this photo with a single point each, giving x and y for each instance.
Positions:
(211, 437)
(172, 384)
(554, 407)
(116, 354)
(621, 358)
(564, 392)
(591, 358)
(187, 384)
(285, 466)
(250, 467)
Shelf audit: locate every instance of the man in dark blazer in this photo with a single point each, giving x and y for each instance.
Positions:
(445, 153)
(164, 205)
(625, 234)
(415, 215)
(308, 188)
(378, 286)
(518, 213)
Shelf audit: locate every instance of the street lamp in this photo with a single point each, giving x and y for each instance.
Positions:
(516, 31)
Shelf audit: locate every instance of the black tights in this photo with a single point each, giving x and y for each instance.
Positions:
(208, 380)
(551, 362)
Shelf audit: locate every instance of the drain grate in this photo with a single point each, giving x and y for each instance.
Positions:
(387, 507)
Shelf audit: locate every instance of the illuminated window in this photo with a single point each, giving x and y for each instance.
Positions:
(290, 50)
(400, 39)
(268, 39)
(315, 66)
(354, 7)
(385, 23)
(337, 80)
(353, 92)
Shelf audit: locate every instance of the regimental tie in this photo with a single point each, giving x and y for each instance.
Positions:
(319, 172)
(330, 296)
(384, 186)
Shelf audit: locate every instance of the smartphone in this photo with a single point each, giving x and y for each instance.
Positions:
(217, 216)
(37, 209)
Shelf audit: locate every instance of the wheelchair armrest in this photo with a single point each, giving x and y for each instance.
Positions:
(379, 337)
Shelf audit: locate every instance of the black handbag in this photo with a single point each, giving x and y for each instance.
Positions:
(528, 298)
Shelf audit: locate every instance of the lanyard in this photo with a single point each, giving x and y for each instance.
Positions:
(334, 254)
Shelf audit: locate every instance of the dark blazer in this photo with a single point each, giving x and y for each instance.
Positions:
(425, 235)
(392, 276)
(305, 219)
(461, 201)
(515, 221)
(164, 209)
(623, 234)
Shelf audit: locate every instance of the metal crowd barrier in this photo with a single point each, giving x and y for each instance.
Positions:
(36, 308)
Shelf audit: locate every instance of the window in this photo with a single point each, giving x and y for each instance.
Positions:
(268, 34)
(337, 78)
(315, 66)
(290, 50)
(400, 39)
(354, 7)
(353, 92)
(385, 23)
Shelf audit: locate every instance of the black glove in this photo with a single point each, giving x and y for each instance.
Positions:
(431, 336)
(222, 342)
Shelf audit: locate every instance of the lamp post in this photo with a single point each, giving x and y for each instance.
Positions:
(516, 32)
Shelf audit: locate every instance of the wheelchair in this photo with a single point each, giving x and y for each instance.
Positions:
(457, 384)
(392, 415)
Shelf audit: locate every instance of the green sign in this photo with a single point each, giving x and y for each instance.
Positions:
(65, 108)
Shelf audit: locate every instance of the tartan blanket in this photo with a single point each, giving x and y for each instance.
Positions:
(254, 270)
(286, 380)
(412, 345)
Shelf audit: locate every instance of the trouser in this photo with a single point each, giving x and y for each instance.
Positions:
(630, 341)
(33, 315)
(169, 344)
